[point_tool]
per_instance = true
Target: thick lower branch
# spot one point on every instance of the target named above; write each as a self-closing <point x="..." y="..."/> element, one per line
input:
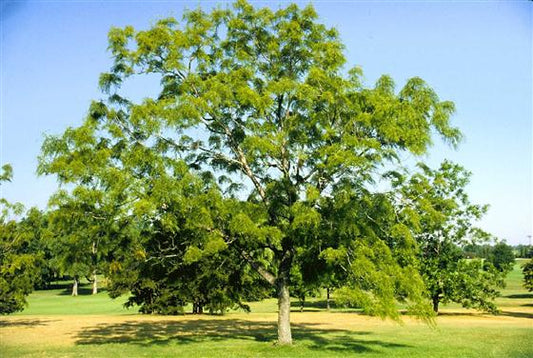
<point x="269" y="277"/>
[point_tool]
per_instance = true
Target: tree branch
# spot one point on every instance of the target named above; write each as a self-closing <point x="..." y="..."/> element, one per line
<point x="269" y="277"/>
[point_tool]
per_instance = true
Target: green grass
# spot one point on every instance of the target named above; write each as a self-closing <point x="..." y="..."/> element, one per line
<point x="59" y="301"/>
<point x="235" y="337"/>
<point x="58" y="325"/>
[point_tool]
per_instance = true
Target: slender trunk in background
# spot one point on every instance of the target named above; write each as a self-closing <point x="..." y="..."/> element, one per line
<point x="95" y="284"/>
<point x="75" y="286"/>
<point x="94" y="252"/>
<point x="436" y="301"/>
<point x="327" y="298"/>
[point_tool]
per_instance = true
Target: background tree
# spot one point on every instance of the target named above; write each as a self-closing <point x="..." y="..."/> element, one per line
<point x="18" y="268"/>
<point x="501" y="257"/>
<point x="85" y="226"/>
<point x="527" y="270"/>
<point x="35" y="227"/>
<point x="523" y="251"/>
<point x="263" y="97"/>
<point x="180" y="256"/>
<point x="445" y="221"/>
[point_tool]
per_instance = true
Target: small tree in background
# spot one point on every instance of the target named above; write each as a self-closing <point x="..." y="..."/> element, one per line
<point x="527" y="270"/>
<point x="445" y="221"/>
<point x="501" y="257"/>
<point x="84" y="228"/>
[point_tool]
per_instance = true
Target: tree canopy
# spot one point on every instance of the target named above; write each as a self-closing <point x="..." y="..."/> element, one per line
<point x="285" y="140"/>
<point x="18" y="268"/>
<point x="444" y="223"/>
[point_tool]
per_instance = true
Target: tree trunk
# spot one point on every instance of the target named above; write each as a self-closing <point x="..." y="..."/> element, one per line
<point x="197" y="308"/>
<point x="436" y="301"/>
<point x="95" y="285"/>
<point x="95" y="260"/>
<point x="284" y="313"/>
<point x="327" y="298"/>
<point x="75" y="286"/>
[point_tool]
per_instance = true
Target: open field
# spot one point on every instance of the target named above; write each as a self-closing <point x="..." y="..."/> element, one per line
<point x="57" y="325"/>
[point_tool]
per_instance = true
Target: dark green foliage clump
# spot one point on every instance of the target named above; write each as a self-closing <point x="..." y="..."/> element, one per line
<point x="527" y="270"/>
<point x="501" y="257"/>
<point x="19" y="267"/>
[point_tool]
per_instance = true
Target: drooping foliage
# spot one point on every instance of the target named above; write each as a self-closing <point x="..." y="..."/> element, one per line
<point x="260" y="103"/>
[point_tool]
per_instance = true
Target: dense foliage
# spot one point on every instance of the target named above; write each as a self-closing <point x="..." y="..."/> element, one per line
<point x="19" y="268"/>
<point x="501" y="257"/>
<point x="259" y="155"/>
<point x="444" y="222"/>
<point x="527" y="270"/>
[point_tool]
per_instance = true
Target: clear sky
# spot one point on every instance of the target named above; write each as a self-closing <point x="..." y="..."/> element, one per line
<point x="477" y="54"/>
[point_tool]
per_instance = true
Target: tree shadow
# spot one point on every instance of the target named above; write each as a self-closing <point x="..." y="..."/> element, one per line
<point x="315" y="305"/>
<point x="521" y="295"/>
<point x="83" y="290"/>
<point x="214" y="330"/>
<point x="26" y="322"/>
<point x="517" y="314"/>
<point x="462" y="314"/>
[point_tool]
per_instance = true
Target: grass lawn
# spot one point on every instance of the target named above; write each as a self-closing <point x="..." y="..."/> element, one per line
<point x="58" y="325"/>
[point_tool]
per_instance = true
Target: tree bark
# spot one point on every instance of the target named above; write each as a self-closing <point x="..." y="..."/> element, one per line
<point x="282" y="286"/>
<point x="436" y="301"/>
<point x="75" y="286"/>
<point x="94" y="257"/>
<point x="327" y="298"/>
<point x="95" y="284"/>
<point x="197" y="308"/>
<point x="284" y="313"/>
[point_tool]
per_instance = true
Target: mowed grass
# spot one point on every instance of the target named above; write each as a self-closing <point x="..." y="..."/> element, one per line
<point x="58" y="325"/>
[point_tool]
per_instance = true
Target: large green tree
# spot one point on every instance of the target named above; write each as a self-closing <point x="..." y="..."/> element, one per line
<point x="263" y="102"/>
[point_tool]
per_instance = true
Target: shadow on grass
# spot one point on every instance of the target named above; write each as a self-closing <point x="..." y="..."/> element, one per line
<point x="480" y="314"/>
<point x="214" y="330"/>
<point x="26" y="322"/>
<point x="321" y="306"/>
<point x="521" y="295"/>
<point x="517" y="314"/>
<point x="83" y="290"/>
<point x="462" y="314"/>
<point x="317" y="305"/>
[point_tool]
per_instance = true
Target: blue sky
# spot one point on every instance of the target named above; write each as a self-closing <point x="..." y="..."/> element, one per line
<point x="477" y="54"/>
